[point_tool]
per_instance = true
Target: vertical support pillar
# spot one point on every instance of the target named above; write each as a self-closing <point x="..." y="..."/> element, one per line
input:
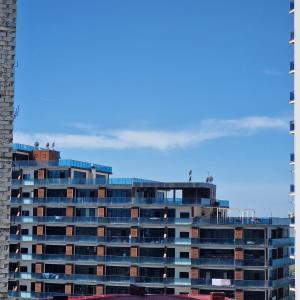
<point x="7" y="56"/>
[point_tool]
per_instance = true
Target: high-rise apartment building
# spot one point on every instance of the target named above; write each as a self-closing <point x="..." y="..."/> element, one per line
<point x="76" y="231"/>
<point x="294" y="95"/>
<point x="7" y="64"/>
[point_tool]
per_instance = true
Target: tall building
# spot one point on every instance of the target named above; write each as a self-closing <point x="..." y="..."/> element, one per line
<point x="7" y="64"/>
<point x="76" y="231"/>
<point x="294" y="95"/>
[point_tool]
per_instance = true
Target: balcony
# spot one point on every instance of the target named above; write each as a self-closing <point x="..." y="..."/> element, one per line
<point x="58" y="181"/>
<point x="223" y="241"/>
<point x="100" y="279"/>
<point x="292" y="98"/>
<point x="292" y="67"/>
<point x="120" y="200"/>
<point x="97" y="239"/>
<point x="282" y="242"/>
<point x="292" y="127"/>
<point x="120" y="260"/>
<point x="292" y="7"/>
<point x="264" y="284"/>
<point x="64" y="163"/>
<point x="292" y="159"/>
<point x="285" y="261"/>
<point x="292" y="38"/>
<point x="241" y="221"/>
<point x="228" y="262"/>
<point x="99" y="220"/>
<point x="292" y="189"/>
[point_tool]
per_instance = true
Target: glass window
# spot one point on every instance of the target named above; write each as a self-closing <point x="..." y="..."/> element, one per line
<point x="184" y="235"/>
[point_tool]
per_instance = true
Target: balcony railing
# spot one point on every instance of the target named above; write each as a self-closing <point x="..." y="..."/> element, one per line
<point x="228" y="241"/>
<point x="151" y="280"/>
<point x="120" y="200"/>
<point x="292" y="6"/>
<point x="240" y="283"/>
<point x="292" y="97"/>
<point x="282" y="261"/>
<point x="99" y="220"/>
<point x="292" y="126"/>
<point x="59" y="181"/>
<point x="223" y="261"/>
<point x="98" y="239"/>
<point x="128" y="260"/>
<point x="69" y="163"/>
<point x="153" y="221"/>
<point x="292" y="67"/>
<point x="241" y="221"/>
<point x="292" y="158"/>
<point x="100" y="279"/>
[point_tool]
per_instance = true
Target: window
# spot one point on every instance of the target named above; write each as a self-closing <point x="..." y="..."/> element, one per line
<point x="24" y="250"/>
<point x="184" y="255"/>
<point x="23" y="288"/>
<point x="184" y="275"/>
<point x="184" y="215"/>
<point x="78" y="174"/>
<point x="23" y="269"/>
<point x="25" y="231"/>
<point x="25" y="213"/>
<point x="184" y="235"/>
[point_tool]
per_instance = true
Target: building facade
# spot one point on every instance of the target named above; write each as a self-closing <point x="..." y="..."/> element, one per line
<point x="7" y="64"/>
<point x="295" y="188"/>
<point x="76" y="231"/>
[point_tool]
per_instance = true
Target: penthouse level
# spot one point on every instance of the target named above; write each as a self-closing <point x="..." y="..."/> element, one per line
<point x="77" y="231"/>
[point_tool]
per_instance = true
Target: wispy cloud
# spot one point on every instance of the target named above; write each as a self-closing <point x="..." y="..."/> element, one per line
<point x="270" y="72"/>
<point x="156" y="139"/>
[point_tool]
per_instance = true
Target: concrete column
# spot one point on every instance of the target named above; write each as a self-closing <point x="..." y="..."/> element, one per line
<point x="7" y="64"/>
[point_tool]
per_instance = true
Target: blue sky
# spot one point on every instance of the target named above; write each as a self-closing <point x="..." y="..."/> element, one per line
<point x="155" y="88"/>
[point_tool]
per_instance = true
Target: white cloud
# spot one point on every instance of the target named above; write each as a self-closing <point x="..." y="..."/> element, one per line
<point x="156" y="139"/>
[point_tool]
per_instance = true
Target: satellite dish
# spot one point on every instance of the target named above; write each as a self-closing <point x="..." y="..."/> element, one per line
<point x="36" y="145"/>
<point x="47" y="145"/>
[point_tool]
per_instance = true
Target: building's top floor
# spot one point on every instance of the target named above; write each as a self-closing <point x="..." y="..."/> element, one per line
<point x="26" y="156"/>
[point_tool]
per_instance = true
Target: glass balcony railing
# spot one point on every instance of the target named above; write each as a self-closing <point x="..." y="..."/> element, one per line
<point x="120" y="200"/>
<point x="222" y="241"/>
<point x="283" y="242"/>
<point x="240" y="283"/>
<point x="292" y="126"/>
<point x="59" y="181"/>
<point x="99" y="279"/>
<point x="99" y="220"/>
<point x="292" y="97"/>
<point x="69" y="163"/>
<point x="241" y="221"/>
<point x="153" y="221"/>
<point x="285" y="261"/>
<point x="98" y="239"/>
<point x="103" y="259"/>
<point x="228" y="262"/>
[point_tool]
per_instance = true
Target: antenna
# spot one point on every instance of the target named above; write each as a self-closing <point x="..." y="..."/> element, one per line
<point x="209" y="179"/>
<point x="47" y="145"/>
<point x="36" y="145"/>
<point x="190" y="175"/>
<point x="53" y="145"/>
